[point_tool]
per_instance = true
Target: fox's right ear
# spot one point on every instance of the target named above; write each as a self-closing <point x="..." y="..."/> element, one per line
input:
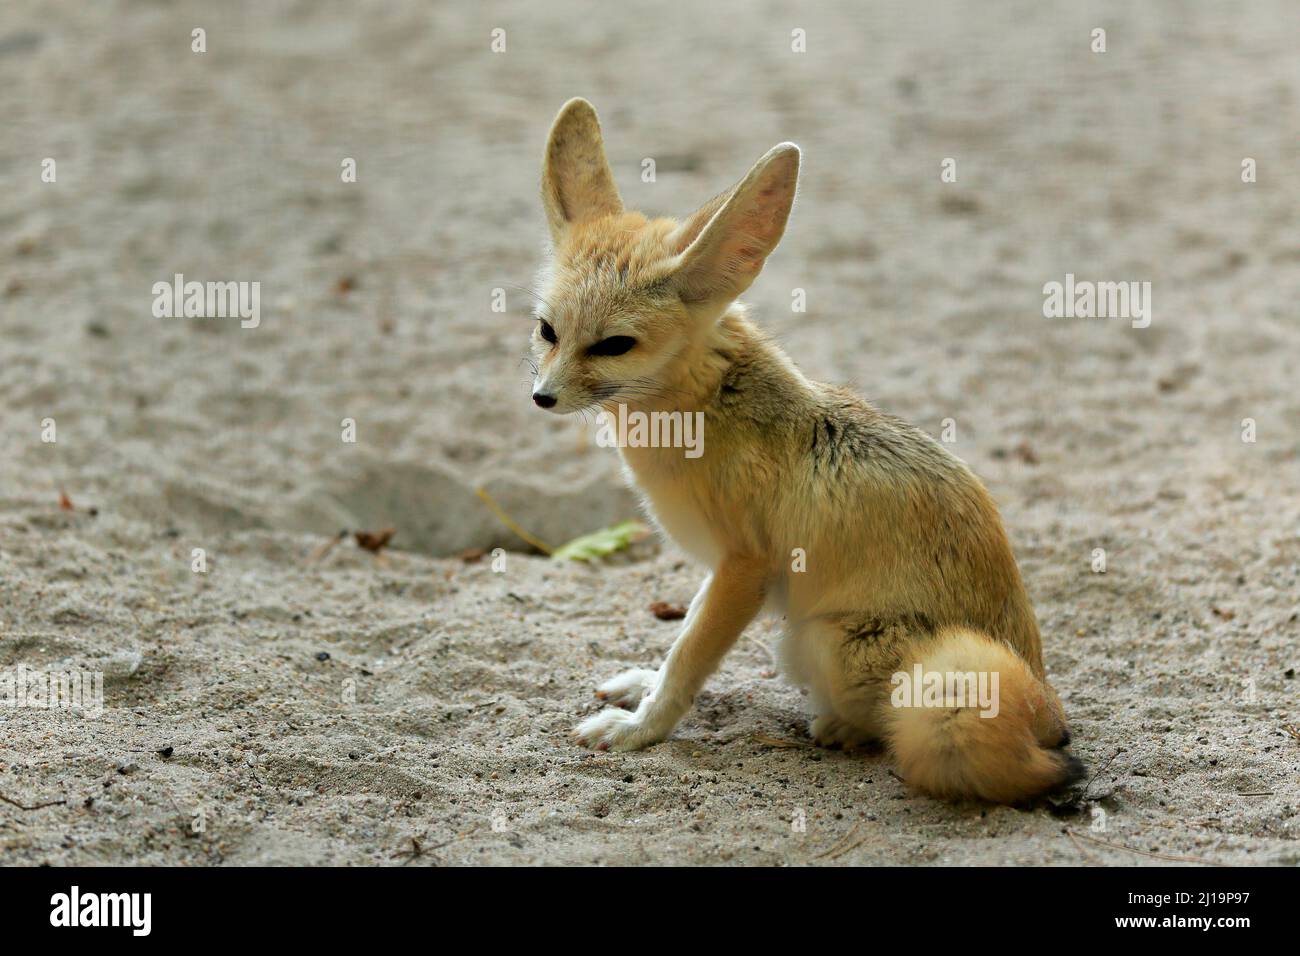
<point x="724" y="244"/>
<point x="577" y="184"/>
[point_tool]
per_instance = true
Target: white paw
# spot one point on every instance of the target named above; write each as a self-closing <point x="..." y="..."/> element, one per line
<point x="627" y="689"/>
<point x="614" y="729"/>
<point x="830" y="731"/>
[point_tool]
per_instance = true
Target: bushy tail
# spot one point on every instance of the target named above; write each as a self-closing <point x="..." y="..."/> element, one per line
<point x="953" y="752"/>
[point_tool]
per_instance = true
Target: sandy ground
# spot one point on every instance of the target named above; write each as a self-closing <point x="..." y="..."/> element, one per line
<point x="414" y="709"/>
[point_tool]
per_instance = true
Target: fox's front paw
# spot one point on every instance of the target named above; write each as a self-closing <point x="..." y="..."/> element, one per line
<point x="627" y="689"/>
<point x="614" y="729"/>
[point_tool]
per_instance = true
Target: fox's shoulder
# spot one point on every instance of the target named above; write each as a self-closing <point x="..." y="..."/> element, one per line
<point x="763" y="399"/>
<point x="849" y="429"/>
<point x="830" y="428"/>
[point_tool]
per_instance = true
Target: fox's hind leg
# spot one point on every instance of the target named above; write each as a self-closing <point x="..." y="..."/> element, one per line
<point x="846" y="663"/>
<point x="827" y="729"/>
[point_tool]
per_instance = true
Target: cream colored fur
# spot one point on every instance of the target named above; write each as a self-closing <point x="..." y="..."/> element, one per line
<point x="880" y="548"/>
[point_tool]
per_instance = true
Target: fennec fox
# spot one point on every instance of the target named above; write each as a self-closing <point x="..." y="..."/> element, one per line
<point x="883" y="552"/>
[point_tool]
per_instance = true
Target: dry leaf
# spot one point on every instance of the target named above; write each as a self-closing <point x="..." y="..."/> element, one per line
<point x="667" y="612"/>
<point x="374" y="541"/>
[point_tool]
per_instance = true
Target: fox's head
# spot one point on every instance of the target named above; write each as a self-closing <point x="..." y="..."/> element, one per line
<point x="626" y="299"/>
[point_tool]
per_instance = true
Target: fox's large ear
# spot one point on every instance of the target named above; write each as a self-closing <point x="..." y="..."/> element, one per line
<point x="723" y="245"/>
<point x="576" y="182"/>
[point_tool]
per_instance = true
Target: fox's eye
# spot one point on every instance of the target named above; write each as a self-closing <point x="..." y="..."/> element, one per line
<point x="548" y="333"/>
<point x="614" y="345"/>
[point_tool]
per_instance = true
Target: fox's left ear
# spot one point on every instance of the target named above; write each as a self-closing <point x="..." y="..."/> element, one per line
<point x="577" y="184"/>
<point x="724" y="244"/>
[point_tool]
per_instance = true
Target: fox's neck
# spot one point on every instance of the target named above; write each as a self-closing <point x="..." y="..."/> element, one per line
<point x="706" y="363"/>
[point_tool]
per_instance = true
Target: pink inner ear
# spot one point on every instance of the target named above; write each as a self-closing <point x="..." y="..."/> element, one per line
<point x="744" y="237"/>
<point x="756" y="232"/>
<point x="762" y="221"/>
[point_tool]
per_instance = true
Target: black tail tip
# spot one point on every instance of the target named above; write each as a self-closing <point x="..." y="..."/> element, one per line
<point x="1072" y="770"/>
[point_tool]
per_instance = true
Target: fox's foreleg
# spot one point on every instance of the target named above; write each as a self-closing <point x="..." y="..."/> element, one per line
<point x="730" y="598"/>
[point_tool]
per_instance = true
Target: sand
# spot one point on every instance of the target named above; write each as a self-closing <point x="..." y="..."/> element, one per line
<point x="414" y="708"/>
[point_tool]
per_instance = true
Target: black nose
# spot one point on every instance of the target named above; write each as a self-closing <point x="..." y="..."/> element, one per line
<point x="543" y="401"/>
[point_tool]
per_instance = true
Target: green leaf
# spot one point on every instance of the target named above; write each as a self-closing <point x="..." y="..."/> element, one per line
<point x="589" y="547"/>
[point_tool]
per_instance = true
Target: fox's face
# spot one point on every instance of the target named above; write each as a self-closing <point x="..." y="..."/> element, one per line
<point x="606" y="334"/>
<point x="624" y="298"/>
